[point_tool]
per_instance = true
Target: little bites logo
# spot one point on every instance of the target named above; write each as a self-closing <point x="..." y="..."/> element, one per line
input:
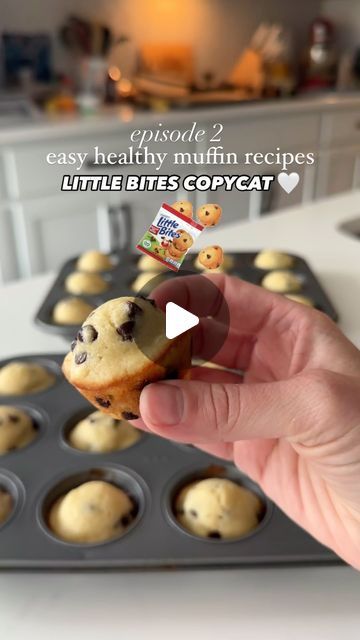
<point x="165" y="226"/>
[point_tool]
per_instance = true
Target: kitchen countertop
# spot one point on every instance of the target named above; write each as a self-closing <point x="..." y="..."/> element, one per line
<point x="124" y="117"/>
<point x="296" y="603"/>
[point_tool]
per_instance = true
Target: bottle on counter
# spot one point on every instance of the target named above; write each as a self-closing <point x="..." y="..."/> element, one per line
<point x="319" y="69"/>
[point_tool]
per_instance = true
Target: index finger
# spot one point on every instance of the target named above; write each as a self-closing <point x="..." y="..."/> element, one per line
<point x="228" y="299"/>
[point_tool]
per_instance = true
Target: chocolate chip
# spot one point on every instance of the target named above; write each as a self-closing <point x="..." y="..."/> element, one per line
<point x="80" y="357"/>
<point x="125" y="521"/>
<point x="133" y="309"/>
<point x="129" y="415"/>
<point x="214" y="534"/>
<point x="182" y="210"/>
<point x="207" y="213"/>
<point x="103" y="403"/>
<point x="193" y="513"/>
<point x="13" y="418"/>
<point x="208" y="256"/>
<point x="126" y="330"/>
<point x="172" y="374"/>
<point x="87" y="334"/>
<point x="73" y="345"/>
<point x="92" y="507"/>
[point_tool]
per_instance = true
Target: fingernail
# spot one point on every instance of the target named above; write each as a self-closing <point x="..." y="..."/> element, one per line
<point x="164" y="404"/>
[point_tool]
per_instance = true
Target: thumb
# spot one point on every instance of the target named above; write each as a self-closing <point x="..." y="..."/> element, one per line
<point x="194" y="411"/>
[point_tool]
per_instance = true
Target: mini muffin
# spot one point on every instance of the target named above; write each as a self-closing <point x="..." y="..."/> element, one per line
<point x="16" y="429"/>
<point x="148" y="263"/>
<point x="120" y="348"/>
<point x="184" y="207"/>
<point x="217" y="508"/>
<point x="6" y="505"/>
<point x="282" y="282"/>
<point x="94" y="261"/>
<point x="226" y="266"/>
<point x="101" y="434"/>
<point x="71" y="311"/>
<point x="211" y="257"/>
<point x="269" y="259"/>
<point x="144" y="279"/>
<point x="95" y="511"/>
<point x="183" y="240"/>
<point x="296" y="297"/>
<point x="80" y="282"/>
<point x="209" y="214"/>
<point x="21" y="378"/>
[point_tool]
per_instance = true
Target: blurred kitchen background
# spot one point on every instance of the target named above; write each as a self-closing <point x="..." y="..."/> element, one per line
<point x="83" y="73"/>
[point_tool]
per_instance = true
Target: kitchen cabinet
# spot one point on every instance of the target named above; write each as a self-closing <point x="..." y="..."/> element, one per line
<point x="338" y="171"/>
<point x="53" y="229"/>
<point x="9" y="269"/>
<point x="40" y="226"/>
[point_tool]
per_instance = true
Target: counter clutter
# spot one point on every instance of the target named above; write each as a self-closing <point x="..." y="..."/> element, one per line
<point x="212" y="601"/>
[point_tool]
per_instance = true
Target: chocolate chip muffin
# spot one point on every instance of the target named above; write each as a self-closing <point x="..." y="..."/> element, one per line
<point x="227" y="265"/>
<point x="270" y="259"/>
<point x="95" y="511"/>
<point x="148" y="263"/>
<point x="282" y="282"/>
<point x="21" y="378"/>
<point x="94" y="261"/>
<point x="6" y="505"/>
<point x="100" y="433"/>
<point x="83" y="283"/>
<point x="71" y="311"/>
<point x="16" y="429"/>
<point x="217" y="508"/>
<point x="143" y="281"/>
<point x="120" y="348"/>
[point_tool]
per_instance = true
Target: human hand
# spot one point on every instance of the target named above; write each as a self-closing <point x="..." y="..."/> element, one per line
<point x="293" y="425"/>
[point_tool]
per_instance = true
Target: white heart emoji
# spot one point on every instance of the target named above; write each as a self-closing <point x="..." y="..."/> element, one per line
<point x="288" y="181"/>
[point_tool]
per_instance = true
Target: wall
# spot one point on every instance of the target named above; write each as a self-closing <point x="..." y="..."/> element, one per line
<point x="217" y="29"/>
<point x="346" y="14"/>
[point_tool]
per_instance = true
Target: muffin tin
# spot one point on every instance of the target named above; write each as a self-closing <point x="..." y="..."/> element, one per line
<point x="125" y="271"/>
<point x="151" y="471"/>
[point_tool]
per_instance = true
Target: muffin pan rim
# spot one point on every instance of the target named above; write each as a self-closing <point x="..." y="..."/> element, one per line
<point x="48" y="363"/>
<point x="41" y="425"/>
<point x="66" y="429"/>
<point x="142" y="505"/>
<point x="17" y="486"/>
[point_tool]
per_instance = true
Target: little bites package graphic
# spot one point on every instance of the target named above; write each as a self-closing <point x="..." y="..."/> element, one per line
<point x="170" y="237"/>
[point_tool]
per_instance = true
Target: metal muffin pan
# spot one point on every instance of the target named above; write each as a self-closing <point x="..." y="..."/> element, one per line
<point x="151" y="471"/>
<point x="125" y="271"/>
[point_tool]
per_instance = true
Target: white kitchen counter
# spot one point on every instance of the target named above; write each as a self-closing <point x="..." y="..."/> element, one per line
<point x="121" y="117"/>
<point x="297" y="603"/>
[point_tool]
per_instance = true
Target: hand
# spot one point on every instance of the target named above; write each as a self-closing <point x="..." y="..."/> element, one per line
<point x="293" y="425"/>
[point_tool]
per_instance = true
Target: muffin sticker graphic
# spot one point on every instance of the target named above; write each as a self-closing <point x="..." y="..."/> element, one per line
<point x="170" y="236"/>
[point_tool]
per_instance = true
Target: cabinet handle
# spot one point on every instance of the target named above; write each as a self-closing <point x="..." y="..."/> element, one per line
<point x="120" y="221"/>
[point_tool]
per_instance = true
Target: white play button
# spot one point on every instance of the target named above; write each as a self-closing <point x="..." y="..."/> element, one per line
<point x="178" y="320"/>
